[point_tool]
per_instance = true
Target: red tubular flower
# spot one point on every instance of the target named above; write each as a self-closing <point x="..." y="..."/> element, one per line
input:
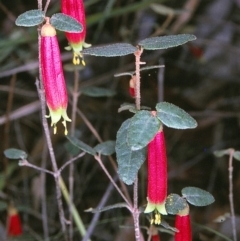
<point x="52" y="76"/>
<point x="183" y="224"/>
<point x="157" y="176"/>
<point x="14" y="225"/>
<point x="75" y="9"/>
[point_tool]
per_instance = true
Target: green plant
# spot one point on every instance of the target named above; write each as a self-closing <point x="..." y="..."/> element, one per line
<point x="138" y="136"/>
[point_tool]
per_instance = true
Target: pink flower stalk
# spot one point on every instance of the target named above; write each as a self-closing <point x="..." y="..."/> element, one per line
<point x="157" y="176"/>
<point x="183" y="224"/>
<point x="14" y="225"/>
<point x="153" y="232"/>
<point x="52" y="76"/>
<point x="75" y="9"/>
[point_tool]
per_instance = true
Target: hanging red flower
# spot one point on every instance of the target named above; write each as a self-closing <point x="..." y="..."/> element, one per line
<point x="157" y="177"/>
<point x="75" y="9"/>
<point x="52" y="76"/>
<point x="183" y="224"/>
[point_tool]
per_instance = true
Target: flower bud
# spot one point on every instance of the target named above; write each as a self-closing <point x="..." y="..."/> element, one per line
<point x="132" y="86"/>
<point x="14" y="225"/>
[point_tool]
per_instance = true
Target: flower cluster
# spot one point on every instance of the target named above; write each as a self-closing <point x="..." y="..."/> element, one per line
<point x="52" y="76"/>
<point x="157" y="177"/>
<point x="75" y="9"/>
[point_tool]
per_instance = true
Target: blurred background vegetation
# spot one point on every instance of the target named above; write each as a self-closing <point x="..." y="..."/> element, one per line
<point x="201" y="77"/>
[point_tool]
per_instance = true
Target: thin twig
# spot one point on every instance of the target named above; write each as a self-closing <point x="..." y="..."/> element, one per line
<point x="40" y="4"/>
<point x="71" y="161"/>
<point x="138" y="62"/>
<point x="27" y="164"/>
<point x="97" y="215"/>
<point x="75" y="95"/>
<point x="46" y="6"/>
<point x="230" y="169"/>
<point x="43" y="196"/>
<point x="135" y="211"/>
<point x="111" y="179"/>
<point x="53" y="159"/>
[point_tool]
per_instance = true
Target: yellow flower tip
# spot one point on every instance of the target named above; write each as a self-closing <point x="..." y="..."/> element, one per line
<point x="157" y="219"/>
<point x="54" y="129"/>
<point x="78" y="58"/>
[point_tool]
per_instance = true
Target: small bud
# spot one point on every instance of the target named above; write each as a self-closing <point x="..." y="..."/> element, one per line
<point x="14" y="225"/>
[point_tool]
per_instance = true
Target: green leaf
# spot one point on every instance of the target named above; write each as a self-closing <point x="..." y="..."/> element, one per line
<point x="236" y="155"/>
<point x="167" y="226"/>
<point x="175" y="204"/>
<point x="111" y="50"/>
<point x="98" y="92"/>
<point x="174" y="117"/>
<point x="106" y="148"/>
<point x="72" y="149"/>
<point x="81" y="145"/>
<point x="66" y="23"/>
<point x="197" y="196"/>
<point x="142" y="130"/>
<point x="13" y="153"/>
<point x="98" y="210"/>
<point x="30" y="18"/>
<point x="221" y="153"/>
<point x="129" y="161"/>
<point x="166" y="42"/>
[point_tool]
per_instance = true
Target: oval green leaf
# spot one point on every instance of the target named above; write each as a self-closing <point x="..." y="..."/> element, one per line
<point x="66" y="23"/>
<point x="221" y="153"/>
<point x="142" y="130"/>
<point x="197" y="197"/>
<point x="111" y="50"/>
<point x="13" y="153"/>
<point x="106" y="148"/>
<point x="175" y="204"/>
<point x="174" y="117"/>
<point x="97" y="92"/>
<point x="236" y="155"/>
<point x="166" y="42"/>
<point x="72" y="149"/>
<point x="129" y="161"/>
<point x="30" y="18"/>
<point x="81" y="145"/>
